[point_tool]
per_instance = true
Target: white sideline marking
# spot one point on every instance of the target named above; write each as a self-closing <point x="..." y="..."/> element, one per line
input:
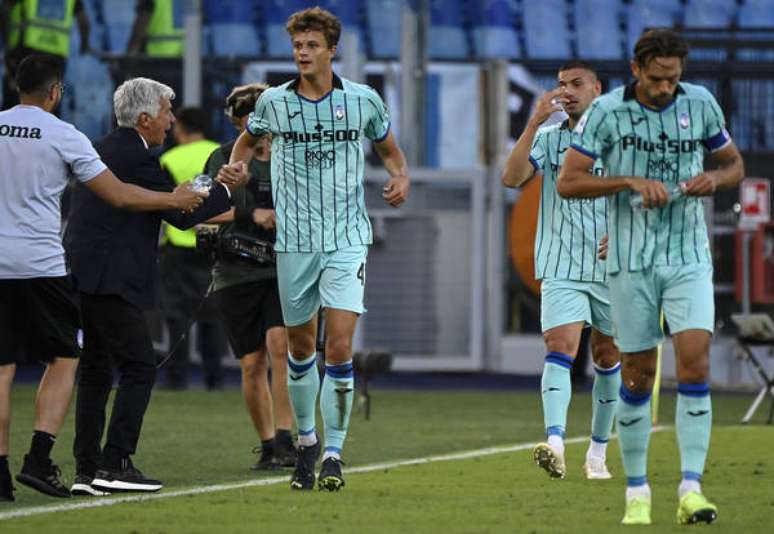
<point x="110" y="501"/>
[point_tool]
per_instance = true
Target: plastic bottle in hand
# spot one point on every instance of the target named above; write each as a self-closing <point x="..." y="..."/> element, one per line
<point x="674" y="192"/>
<point x="202" y="183"/>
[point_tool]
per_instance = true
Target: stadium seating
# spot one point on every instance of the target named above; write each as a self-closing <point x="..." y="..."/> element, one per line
<point x="231" y="27"/>
<point x="643" y="14"/>
<point x="383" y="27"/>
<point x="88" y="101"/>
<point x="494" y="30"/>
<point x="758" y="14"/>
<point x="709" y="13"/>
<point x="276" y="13"/>
<point x="119" y="17"/>
<point x="447" y="39"/>
<point x="598" y="29"/>
<point x="546" y="32"/>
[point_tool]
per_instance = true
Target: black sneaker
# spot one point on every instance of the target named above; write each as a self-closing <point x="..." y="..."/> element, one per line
<point x="123" y="479"/>
<point x="306" y="457"/>
<point x="42" y="475"/>
<point x="286" y="456"/>
<point x="82" y="486"/>
<point x="6" y="485"/>
<point x="267" y="460"/>
<point x="330" y="475"/>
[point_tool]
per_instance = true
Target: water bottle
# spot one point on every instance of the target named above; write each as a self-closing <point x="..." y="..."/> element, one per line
<point x="202" y="183"/>
<point x="674" y="192"/>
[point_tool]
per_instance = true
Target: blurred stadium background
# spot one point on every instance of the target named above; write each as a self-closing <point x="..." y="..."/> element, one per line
<point x="450" y="281"/>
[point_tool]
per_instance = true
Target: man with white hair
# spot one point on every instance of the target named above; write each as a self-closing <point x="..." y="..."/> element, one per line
<point x="38" y="314"/>
<point x="113" y="258"/>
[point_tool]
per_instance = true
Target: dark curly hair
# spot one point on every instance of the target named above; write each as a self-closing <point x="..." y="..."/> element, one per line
<point x="660" y="42"/>
<point x="316" y="19"/>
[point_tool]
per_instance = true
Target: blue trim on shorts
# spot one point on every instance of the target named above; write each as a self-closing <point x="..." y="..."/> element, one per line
<point x="635" y="399"/>
<point x="301" y="368"/>
<point x="694" y="390"/>
<point x="344" y="370"/>
<point x="633" y="482"/>
<point x="560" y="359"/>
<point x="692" y="475"/>
<point x="555" y="431"/>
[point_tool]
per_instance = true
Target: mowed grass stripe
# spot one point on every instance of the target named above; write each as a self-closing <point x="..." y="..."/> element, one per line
<point x="111" y="501"/>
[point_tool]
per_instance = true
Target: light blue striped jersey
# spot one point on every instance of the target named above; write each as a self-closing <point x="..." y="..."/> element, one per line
<point x="569" y="230"/>
<point x="317" y="162"/>
<point x="668" y="145"/>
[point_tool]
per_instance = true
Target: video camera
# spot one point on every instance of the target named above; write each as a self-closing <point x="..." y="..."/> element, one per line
<point x="234" y="245"/>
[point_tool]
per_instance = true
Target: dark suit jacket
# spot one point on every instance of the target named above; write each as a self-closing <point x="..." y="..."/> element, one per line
<point x="112" y="251"/>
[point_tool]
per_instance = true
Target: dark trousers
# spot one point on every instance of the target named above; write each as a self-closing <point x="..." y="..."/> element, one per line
<point x="115" y="334"/>
<point x="185" y="279"/>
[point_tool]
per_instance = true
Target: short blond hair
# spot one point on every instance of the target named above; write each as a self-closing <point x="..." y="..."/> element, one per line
<point x="316" y="19"/>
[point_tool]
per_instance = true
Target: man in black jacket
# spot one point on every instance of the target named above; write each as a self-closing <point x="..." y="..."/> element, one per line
<point x="112" y="257"/>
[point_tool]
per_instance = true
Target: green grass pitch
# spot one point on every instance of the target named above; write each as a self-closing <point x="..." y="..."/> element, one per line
<point x="196" y="438"/>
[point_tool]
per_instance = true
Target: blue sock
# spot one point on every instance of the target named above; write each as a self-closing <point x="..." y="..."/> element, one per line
<point x="693" y="423"/>
<point x="556" y="391"/>
<point x="604" y="396"/>
<point x="633" y="423"/>
<point x="338" y="390"/>
<point x="303" y="386"/>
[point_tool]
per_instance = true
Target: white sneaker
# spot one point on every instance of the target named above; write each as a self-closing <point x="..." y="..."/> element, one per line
<point x="549" y="459"/>
<point x="596" y="469"/>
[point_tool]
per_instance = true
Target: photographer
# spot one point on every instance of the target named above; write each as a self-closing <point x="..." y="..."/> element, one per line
<point x="247" y="295"/>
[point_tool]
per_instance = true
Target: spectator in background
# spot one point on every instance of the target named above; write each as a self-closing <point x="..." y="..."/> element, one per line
<point x="158" y="29"/>
<point x="31" y="27"/>
<point x="247" y="294"/>
<point x="185" y="271"/>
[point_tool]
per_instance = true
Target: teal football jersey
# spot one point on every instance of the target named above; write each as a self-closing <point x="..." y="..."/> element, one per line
<point x="569" y="230"/>
<point x="317" y="162"/>
<point x="668" y="145"/>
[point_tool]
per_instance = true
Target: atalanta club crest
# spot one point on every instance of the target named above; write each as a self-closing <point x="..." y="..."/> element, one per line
<point x="684" y="120"/>
<point x="339" y="113"/>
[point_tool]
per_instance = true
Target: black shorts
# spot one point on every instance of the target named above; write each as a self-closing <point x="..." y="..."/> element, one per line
<point x="39" y="320"/>
<point x="249" y="310"/>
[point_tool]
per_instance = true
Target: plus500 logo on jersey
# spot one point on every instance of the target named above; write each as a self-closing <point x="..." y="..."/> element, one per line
<point x="672" y="146"/>
<point x="323" y="136"/>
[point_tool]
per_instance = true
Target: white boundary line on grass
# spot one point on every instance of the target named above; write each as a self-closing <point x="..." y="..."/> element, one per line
<point x="110" y="501"/>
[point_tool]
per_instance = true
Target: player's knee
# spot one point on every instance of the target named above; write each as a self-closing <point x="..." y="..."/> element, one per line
<point x="606" y="355"/>
<point x="638" y="374"/>
<point x="338" y="349"/>
<point x="254" y="364"/>
<point x="556" y="342"/>
<point x="693" y="372"/>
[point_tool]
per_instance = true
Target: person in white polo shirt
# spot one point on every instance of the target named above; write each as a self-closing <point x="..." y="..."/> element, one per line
<point x="38" y="312"/>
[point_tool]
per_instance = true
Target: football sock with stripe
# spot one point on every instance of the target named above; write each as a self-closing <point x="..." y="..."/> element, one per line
<point x="604" y="396"/>
<point x="338" y="391"/>
<point x="633" y="423"/>
<point x="556" y="390"/>
<point x="303" y="386"/>
<point x="693" y="423"/>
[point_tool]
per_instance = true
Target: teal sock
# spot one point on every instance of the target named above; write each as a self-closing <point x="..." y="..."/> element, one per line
<point x="633" y="423"/>
<point x="693" y="422"/>
<point x="338" y="390"/>
<point x="303" y="386"/>
<point x="556" y="392"/>
<point x="604" y="396"/>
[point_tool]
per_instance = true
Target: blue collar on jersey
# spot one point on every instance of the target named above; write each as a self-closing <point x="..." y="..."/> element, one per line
<point x="630" y="93"/>
<point x="293" y="86"/>
<point x="565" y="124"/>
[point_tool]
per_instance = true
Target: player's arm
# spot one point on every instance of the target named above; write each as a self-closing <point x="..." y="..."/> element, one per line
<point x="131" y="197"/>
<point x="519" y="167"/>
<point x="575" y="181"/>
<point x="396" y="190"/>
<point x="729" y="173"/>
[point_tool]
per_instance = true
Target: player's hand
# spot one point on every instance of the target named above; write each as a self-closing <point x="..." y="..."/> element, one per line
<point x="654" y="194"/>
<point x="395" y="192"/>
<point x="602" y="250"/>
<point x="700" y="186"/>
<point x="186" y="199"/>
<point x="548" y="104"/>
<point x="233" y="175"/>
<point x="264" y="218"/>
